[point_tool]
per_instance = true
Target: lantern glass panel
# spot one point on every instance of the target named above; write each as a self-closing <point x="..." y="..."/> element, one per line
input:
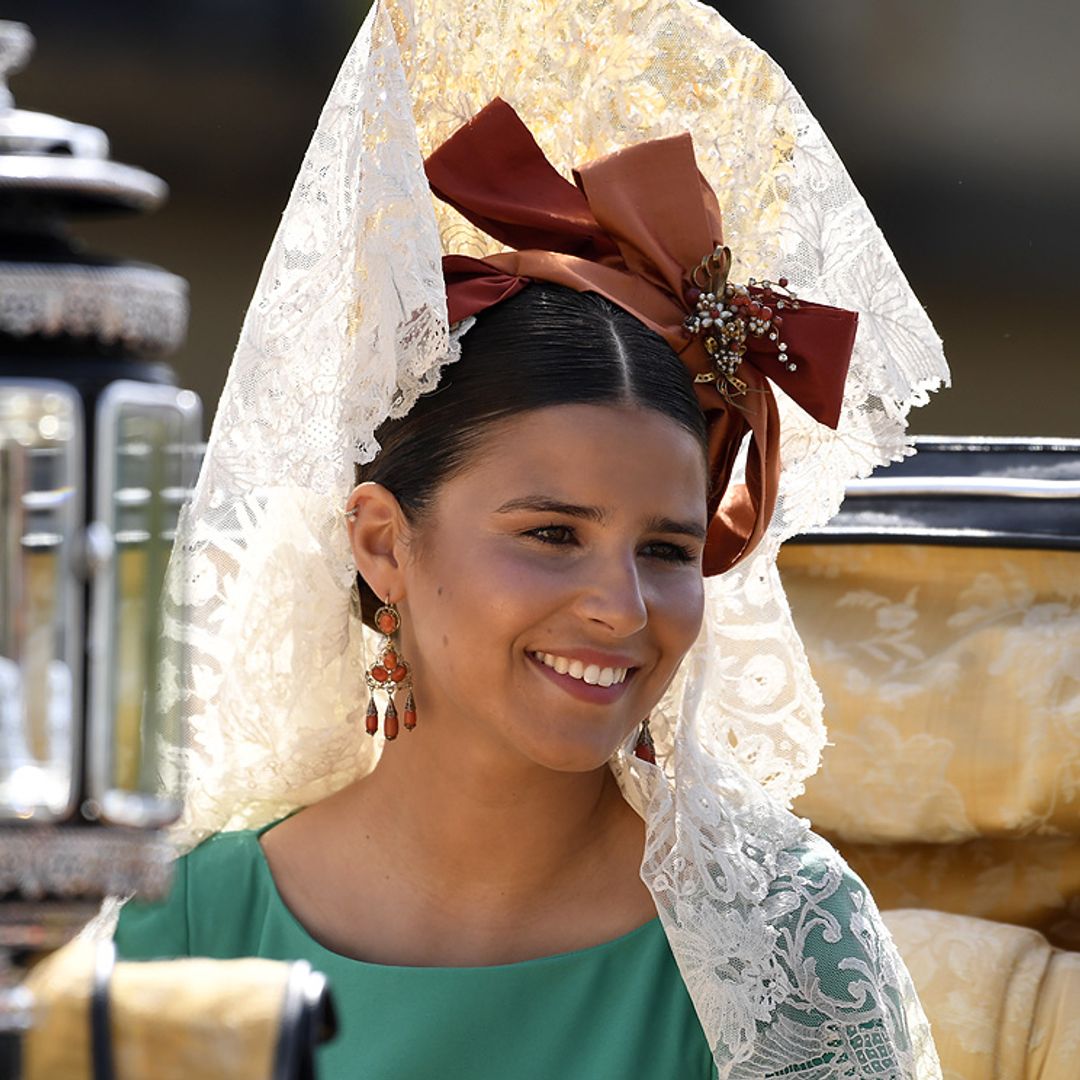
<point x="146" y="440"/>
<point x="41" y="466"/>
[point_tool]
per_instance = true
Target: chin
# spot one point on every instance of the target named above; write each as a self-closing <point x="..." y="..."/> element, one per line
<point x="572" y="755"/>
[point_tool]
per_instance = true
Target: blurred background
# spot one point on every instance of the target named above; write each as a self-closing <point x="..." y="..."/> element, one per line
<point x="959" y="123"/>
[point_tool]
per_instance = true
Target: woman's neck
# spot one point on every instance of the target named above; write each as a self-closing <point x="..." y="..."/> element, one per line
<point x="478" y="818"/>
<point x="470" y="859"/>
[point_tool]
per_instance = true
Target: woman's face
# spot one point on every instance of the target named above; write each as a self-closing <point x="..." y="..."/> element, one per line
<point x="556" y="584"/>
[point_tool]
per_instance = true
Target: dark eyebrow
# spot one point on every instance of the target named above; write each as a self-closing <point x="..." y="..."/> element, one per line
<point x="544" y="505"/>
<point x="670" y="525"/>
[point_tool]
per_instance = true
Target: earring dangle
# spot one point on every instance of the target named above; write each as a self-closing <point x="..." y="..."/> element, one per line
<point x="644" y="747"/>
<point x="390" y="673"/>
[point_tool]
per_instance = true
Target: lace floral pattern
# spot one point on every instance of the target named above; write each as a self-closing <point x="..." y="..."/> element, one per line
<point x="348" y="325"/>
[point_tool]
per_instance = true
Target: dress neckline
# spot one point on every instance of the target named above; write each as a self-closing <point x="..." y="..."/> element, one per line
<point x="645" y="930"/>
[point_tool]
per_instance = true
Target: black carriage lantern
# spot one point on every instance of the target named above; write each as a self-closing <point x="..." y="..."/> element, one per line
<point x="98" y="451"/>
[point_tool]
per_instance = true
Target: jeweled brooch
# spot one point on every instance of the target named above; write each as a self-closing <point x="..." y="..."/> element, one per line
<point x="728" y="314"/>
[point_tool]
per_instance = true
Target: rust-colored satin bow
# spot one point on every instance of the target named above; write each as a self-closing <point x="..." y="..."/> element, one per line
<point x="633" y="229"/>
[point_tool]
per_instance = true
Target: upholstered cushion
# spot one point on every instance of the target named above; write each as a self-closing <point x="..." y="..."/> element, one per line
<point x="1032" y="881"/>
<point x="951" y="678"/>
<point x="1002" y="1004"/>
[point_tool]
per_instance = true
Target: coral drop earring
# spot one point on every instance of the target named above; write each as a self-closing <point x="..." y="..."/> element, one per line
<point x="389" y="673"/>
<point x="644" y="748"/>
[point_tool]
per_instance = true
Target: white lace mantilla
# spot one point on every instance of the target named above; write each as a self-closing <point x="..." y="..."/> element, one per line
<point x="782" y="950"/>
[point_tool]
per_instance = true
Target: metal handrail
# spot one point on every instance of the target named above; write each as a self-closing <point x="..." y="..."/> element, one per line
<point x="980" y="487"/>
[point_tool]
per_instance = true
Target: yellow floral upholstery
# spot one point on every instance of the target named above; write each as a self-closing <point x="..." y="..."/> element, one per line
<point x="951" y="679"/>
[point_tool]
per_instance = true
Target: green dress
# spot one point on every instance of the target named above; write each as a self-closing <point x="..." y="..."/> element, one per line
<point x="615" y="1010"/>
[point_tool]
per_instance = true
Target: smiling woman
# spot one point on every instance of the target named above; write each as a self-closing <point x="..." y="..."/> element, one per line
<point x="564" y="486"/>
<point x="562" y="463"/>
<point x="502" y="579"/>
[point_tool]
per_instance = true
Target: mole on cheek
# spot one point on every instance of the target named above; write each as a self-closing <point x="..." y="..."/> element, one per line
<point x="445" y="641"/>
<point x="438" y="591"/>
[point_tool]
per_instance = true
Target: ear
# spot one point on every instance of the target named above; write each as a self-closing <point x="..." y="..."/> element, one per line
<point x="378" y="537"/>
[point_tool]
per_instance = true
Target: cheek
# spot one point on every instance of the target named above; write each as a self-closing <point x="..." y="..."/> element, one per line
<point x="676" y="606"/>
<point x="477" y="597"/>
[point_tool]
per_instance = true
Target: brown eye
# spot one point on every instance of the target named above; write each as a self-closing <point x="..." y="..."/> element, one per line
<point x="668" y="552"/>
<point x="552" y="534"/>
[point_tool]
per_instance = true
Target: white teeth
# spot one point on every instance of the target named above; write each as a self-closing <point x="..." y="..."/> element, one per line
<point x="592" y="674"/>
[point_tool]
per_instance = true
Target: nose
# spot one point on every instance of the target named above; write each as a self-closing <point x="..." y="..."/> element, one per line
<point x="612" y="596"/>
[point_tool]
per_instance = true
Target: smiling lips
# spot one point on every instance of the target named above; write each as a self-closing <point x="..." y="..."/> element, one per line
<point x="592" y="674"/>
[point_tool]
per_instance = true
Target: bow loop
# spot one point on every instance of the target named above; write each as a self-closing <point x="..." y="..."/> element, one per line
<point x="630" y="194"/>
<point x="496" y="176"/>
